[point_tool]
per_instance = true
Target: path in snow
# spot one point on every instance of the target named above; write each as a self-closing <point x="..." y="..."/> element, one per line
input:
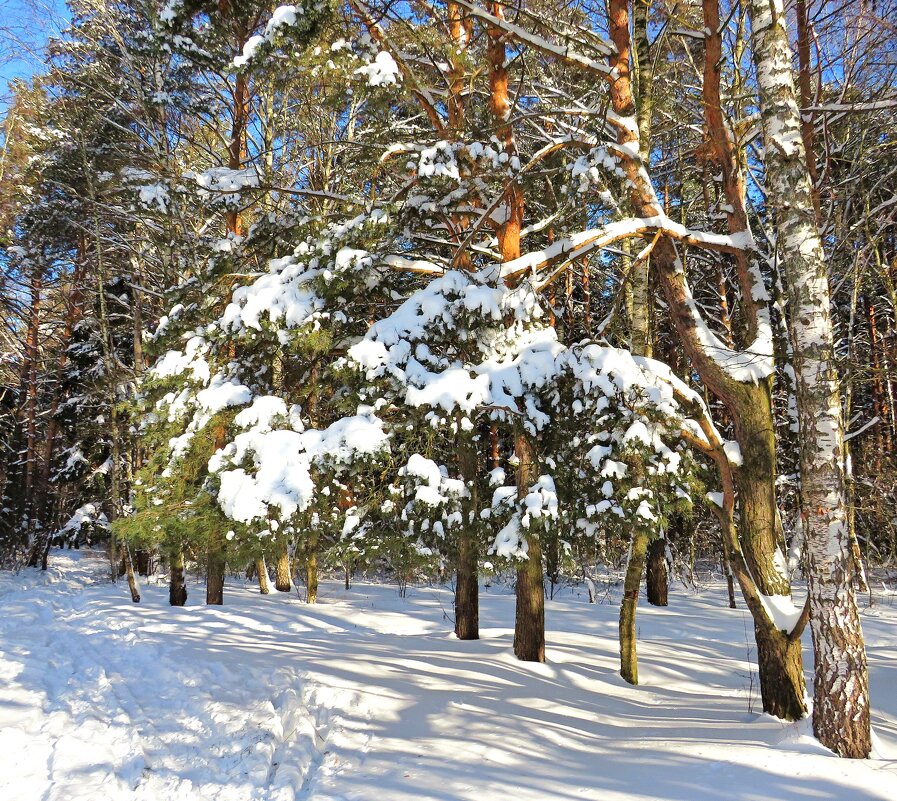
<point x="92" y="708"/>
<point x="368" y="696"/>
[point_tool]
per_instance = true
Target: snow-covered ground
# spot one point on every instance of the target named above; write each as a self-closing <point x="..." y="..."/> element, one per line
<point x="368" y="697"/>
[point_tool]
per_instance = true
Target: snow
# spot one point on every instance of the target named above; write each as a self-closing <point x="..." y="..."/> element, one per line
<point x="227" y="180"/>
<point x="222" y="394"/>
<point x="154" y="195"/>
<point x="540" y="501"/>
<point x="515" y="362"/>
<point x="263" y="412"/>
<point x="434" y="487"/>
<point x="106" y="709"/>
<point x="286" y="293"/>
<point x="170" y="10"/>
<point x="250" y="48"/>
<point x="382" y="71"/>
<point x="283" y="17"/>
<point x="360" y="434"/>
<point x="420" y="467"/>
<point x="751" y="365"/>
<point x="781" y="610"/>
<point x="733" y="453"/>
<point x="175" y="362"/>
<point x="86" y="515"/>
<point x="369" y="696"/>
<point x="281" y="461"/>
<point x="280" y="477"/>
<point x="74" y="458"/>
<point x="577" y="245"/>
<point x="538" y="43"/>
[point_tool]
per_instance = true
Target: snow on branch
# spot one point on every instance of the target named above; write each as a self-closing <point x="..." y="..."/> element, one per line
<point x="283" y="17"/>
<point x="378" y="34"/>
<point x="862" y="107"/>
<point x="582" y="243"/>
<point x="563" y="52"/>
<point x="268" y="470"/>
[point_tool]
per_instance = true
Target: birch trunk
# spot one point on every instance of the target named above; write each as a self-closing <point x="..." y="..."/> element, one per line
<point x="840" y="687"/>
<point x="640" y="341"/>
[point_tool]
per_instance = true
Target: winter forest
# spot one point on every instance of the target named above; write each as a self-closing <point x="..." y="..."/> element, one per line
<point x="448" y="399"/>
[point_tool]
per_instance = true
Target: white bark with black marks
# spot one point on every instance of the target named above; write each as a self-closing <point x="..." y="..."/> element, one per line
<point x="841" y="684"/>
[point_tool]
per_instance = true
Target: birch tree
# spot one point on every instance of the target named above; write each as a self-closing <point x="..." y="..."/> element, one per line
<point x="841" y="683"/>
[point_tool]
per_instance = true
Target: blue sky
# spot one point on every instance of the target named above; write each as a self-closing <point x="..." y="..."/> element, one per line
<point x="25" y="26"/>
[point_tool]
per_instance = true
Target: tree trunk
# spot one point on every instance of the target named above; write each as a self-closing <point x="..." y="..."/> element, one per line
<point x="261" y="570"/>
<point x="282" y="580"/>
<point x="804" y="80"/>
<point x="529" y="623"/>
<point x="553" y="564"/>
<point x="657" y="577"/>
<point x="755" y="478"/>
<point x="177" y="586"/>
<point x="508" y="233"/>
<point x="30" y="393"/>
<point x="747" y="403"/>
<point x="780" y="665"/>
<point x="74" y="309"/>
<point x="841" y="715"/>
<point x="858" y="571"/>
<point x="141" y="556"/>
<point x="142" y="560"/>
<point x="215" y="569"/>
<point x="115" y="551"/>
<point x="639" y="270"/>
<point x="132" y="578"/>
<point x="467" y="590"/>
<point x="467" y="602"/>
<point x="237" y="151"/>
<point x="631" y="584"/>
<point x="311" y="577"/>
<point x="730" y="580"/>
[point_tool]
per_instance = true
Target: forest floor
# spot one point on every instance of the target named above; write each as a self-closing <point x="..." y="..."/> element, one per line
<point x="368" y="696"/>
